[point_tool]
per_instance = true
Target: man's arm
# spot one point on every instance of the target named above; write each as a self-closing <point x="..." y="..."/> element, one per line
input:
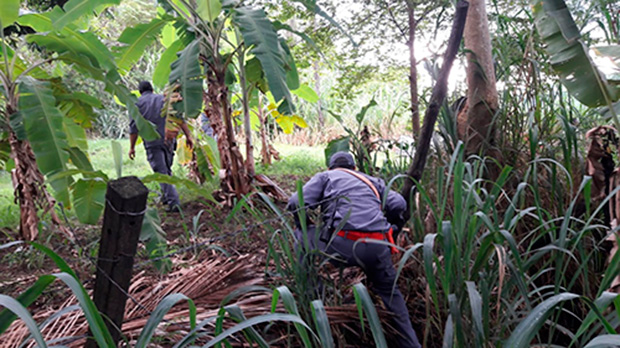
<point x="188" y="135"/>
<point x="133" y="138"/>
<point x="395" y="208"/>
<point x="313" y="194"/>
<point x="132" y="145"/>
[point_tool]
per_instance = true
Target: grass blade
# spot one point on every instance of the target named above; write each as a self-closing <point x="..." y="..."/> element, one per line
<point x="321" y="322"/>
<point x="265" y="318"/>
<point x="604" y="341"/>
<point x="291" y="306"/>
<point x="158" y="315"/>
<point x="529" y="327"/>
<point x="362" y="296"/>
<point x="14" y="306"/>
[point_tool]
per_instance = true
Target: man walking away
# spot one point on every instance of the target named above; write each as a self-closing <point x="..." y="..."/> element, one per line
<point x="341" y="192"/>
<point x="159" y="152"/>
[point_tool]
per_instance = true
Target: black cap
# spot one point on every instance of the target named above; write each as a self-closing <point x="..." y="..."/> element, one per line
<point x="341" y="159"/>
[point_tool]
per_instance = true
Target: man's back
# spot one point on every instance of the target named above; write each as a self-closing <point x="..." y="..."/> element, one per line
<point x="150" y="105"/>
<point x="346" y="197"/>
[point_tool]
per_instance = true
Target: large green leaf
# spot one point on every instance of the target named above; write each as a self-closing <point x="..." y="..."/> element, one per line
<point x="209" y="9"/>
<point x="163" y="69"/>
<point x="76" y="135"/>
<point x="136" y="40"/>
<point x="86" y="41"/>
<point x="336" y="145"/>
<point x="292" y="76"/>
<point x="186" y="72"/>
<point x="258" y="32"/>
<point x="89" y="199"/>
<point x="9" y="13"/>
<point x="67" y="45"/>
<point x="79" y="159"/>
<point x="362" y="114"/>
<point x="306" y="93"/>
<point x="40" y="22"/>
<point x="44" y="127"/>
<point x="569" y="55"/>
<point x="168" y="35"/>
<point x="75" y="9"/>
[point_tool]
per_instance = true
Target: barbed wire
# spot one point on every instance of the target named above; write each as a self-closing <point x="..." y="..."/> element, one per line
<point x="101" y="271"/>
<point x="235" y="233"/>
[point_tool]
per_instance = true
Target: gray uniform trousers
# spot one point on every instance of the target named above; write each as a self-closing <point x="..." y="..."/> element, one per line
<point x="160" y="158"/>
<point x="376" y="262"/>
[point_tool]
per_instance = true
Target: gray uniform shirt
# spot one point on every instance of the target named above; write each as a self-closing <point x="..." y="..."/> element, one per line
<point x="356" y="197"/>
<point x="150" y="105"/>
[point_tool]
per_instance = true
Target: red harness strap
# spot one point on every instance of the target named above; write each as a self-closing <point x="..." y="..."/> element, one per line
<point x="355" y="235"/>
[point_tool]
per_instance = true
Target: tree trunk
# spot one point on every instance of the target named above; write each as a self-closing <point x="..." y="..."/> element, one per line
<point x="234" y="178"/>
<point x="317" y="85"/>
<point x="414" y="173"/>
<point x="28" y="183"/>
<point x="249" y="148"/>
<point x="413" y="72"/>
<point x="476" y="124"/>
<point x="265" y="154"/>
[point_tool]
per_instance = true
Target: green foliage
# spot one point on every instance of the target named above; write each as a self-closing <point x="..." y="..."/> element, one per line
<point x="569" y="55"/>
<point x="89" y="199"/>
<point x="209" y="10"/>
<point x="117" y="153"/>
<point x="74" y="9"/>
<point x="10" y="11"/>
<point x="154" y="238"/>
<point x="43" y="124"/>
<point x="186" y="72"/>
<point x="336" y="145"/>
<point x="163" y="69"/>
<point x="363" y="301"/>
<point x="136" y="39"/>
<point x="258" y="32"/>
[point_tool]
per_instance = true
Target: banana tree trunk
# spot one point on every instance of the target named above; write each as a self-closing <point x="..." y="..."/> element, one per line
<point x="265" y="154"/>
<point x="28" y="183"/>
<point x="249" y="147"/>
<point x="482" y="100"/>
<point x="235" y="180"/>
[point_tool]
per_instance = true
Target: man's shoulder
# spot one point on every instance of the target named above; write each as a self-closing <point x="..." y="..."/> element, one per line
<point x="149" y="96"/>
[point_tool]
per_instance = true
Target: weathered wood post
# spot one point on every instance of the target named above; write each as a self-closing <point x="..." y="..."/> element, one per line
<point x="122" y="222"/>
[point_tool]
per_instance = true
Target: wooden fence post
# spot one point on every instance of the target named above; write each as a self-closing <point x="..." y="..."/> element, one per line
<point x="122" y="222"/>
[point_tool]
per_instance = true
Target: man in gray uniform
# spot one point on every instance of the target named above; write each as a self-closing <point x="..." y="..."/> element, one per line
<point x="160" y="152"/>
<point x="341" y="192"/>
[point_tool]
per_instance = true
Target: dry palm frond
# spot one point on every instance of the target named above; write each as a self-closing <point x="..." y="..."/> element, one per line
<point x="207" y="282"/>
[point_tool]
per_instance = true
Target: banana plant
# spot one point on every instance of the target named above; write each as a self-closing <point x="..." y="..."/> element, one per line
<point x="42" y="122"/>
<point x="230" y="46"/>
<point x="571" y="58"/>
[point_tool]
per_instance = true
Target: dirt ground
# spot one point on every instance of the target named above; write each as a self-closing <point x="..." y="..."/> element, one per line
<point x="236" y="232"/>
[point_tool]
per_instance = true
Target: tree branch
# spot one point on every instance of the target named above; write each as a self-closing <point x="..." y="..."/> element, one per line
<point x="437" y="98"/>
